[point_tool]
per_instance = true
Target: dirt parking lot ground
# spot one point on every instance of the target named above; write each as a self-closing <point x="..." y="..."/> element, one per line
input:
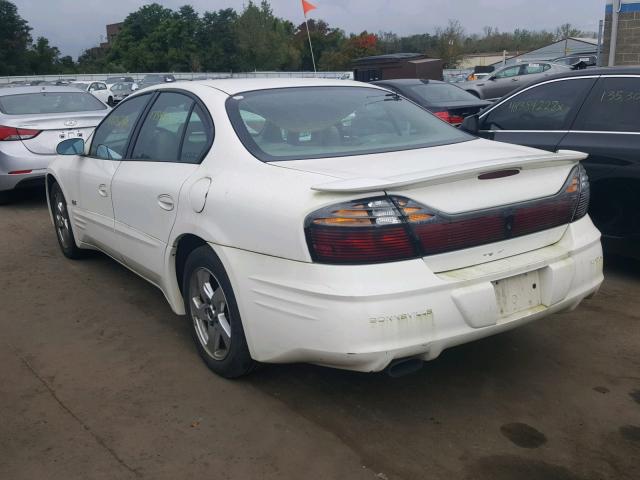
<point x="99" y="380"/>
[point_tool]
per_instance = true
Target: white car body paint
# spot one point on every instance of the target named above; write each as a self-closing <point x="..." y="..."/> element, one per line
<point x="294" y="310"/>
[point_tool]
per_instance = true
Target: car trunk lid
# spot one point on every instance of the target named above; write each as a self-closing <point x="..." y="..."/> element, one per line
<point x="457" y="180"/>
<point x="55" y="128"/>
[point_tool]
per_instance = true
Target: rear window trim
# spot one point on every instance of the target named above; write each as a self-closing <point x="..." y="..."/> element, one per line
<point x="252" y="147"/>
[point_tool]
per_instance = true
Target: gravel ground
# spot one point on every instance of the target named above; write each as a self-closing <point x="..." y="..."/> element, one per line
<point x="99" y="379"/>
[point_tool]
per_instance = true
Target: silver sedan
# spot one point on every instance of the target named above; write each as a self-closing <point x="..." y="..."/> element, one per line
<point x="33" y="120"/>
<point x="512" y="77"/>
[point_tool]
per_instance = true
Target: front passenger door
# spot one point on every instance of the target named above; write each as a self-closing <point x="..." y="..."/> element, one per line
<point x="170" y="145"/>
<point x="91" y="175"/>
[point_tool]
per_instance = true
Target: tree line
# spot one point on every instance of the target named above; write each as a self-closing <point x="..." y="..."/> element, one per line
<point x="156" y="38"/>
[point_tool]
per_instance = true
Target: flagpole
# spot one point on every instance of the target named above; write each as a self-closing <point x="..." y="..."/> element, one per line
<point x="313" y="59"/>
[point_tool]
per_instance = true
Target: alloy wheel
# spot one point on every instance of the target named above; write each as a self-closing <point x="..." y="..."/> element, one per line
<point x="210" y="313"/>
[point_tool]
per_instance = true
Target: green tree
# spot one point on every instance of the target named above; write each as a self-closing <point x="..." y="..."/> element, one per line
<point x="216" y="40"/>
<point x="450" y="46"/>
<point x="43" y="58"/>
<point x="264" y="40"/>
<point x="323" y="38"/>
<point x="14" y="40"/>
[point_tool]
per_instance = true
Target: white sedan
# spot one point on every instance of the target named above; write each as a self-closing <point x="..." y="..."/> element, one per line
<point x="324" y="221"/>
<point x="100" y="90"/>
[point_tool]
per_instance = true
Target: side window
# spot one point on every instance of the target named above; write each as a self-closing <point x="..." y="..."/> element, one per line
<point x="161" y="133"/>
<point x="550" y="106"/>
<point x="530" y="68"/>
<point x="508" y="72"/>
<point x="197" y="137"/>
<point x="101" y="86"/>
<point x="112" y="135"/>
<point x="93" y="86"/>
<point x="613" y="106"/>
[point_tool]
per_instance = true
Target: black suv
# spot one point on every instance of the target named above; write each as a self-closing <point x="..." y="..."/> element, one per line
<point x="596" y="111"/>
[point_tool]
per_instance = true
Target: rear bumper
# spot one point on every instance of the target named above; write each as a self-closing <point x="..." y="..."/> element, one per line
<point x="363" y="317"/>
<point x="14" y="156"/>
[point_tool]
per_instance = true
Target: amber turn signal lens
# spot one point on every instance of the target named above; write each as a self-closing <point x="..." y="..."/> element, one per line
<point x="573" y="186"/>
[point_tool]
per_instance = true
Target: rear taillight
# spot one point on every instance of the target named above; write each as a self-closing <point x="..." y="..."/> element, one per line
<point x="363" y="231"/>
<point x="392" y="228"/>
<point x="13" y="133"/>
<point x="449" y="118"/>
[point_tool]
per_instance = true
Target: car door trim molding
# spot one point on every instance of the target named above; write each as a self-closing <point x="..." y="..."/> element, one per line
<point x="604" y="132"/>
<point x="524" y="131"/>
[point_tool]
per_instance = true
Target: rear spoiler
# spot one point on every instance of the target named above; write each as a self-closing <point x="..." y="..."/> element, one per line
<point x="364" y="184"/>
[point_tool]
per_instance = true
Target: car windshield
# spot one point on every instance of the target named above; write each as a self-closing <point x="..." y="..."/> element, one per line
<point x="316" y="122"/>
<point x="49" y="102"/>
<point x="441" y="93"/>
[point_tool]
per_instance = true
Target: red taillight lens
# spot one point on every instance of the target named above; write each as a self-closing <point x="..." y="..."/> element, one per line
<point x="362" y="231"/>
<point x="391" y="228"/>
<point x="13" y="133"/>
<point x="449" y="118"/>
<point x="445" y="233"/>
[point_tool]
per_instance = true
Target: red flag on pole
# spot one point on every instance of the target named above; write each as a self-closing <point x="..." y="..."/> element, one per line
<point x="307" y="7"/>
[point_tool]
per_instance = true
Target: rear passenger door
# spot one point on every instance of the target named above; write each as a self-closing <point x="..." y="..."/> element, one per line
<point x="168" y="148"/>
<point x="608" y="129"/>
<point x="537" y="117"/>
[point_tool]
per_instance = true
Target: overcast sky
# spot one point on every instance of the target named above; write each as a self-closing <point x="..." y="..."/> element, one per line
<point x="74" y="25"/>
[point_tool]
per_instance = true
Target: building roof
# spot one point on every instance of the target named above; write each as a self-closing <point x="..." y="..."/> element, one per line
<point x="561" y="48"/>
<point x="390" y="57"/>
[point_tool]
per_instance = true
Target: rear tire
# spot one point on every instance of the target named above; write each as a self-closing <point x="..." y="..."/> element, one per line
<point x="213" y="314"/>
<point x="110" y="102"/>
<point x="62" y="223"/>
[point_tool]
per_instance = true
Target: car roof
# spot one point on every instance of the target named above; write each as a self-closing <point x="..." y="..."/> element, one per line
<point x="407" y="81"/>
<point x="600" y="71"/>
<point x="38" y="89"/>
<point x="234" y="86"/>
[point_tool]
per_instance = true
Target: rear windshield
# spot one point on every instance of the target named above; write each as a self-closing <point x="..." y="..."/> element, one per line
<point x="441" y="93"/>
<point x="315" y="122"/>
<point x="49" y="102"/>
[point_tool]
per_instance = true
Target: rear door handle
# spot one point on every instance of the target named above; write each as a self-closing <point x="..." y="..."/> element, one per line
<point x="166" y="202"/>
<point x="102" y="190"/>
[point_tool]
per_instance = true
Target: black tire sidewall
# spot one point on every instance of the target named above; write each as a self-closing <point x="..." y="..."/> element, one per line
<point x="238" y="362"/>
<point x="72" y="251"/>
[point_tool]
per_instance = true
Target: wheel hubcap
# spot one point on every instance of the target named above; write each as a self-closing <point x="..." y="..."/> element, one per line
<point x="61" y="219"/>
<point x="210" y="313"/>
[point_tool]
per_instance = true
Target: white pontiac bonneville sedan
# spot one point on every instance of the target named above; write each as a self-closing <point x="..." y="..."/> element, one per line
<point x="322" y="221"/>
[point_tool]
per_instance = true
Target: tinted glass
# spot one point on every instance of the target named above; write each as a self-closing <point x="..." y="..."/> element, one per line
<point x="112" y="135"/>
<point x="316" y="122"/>
<point x="161" y="133"/>
<point x="614" y="105"/>
<point x="441" y="93"/>
<point x="49" y="102"/>
<point x="530" y="68"/>
<point x="550" y="106"/>
<point x="197" y="137"/>
<point x="508" y="72"/>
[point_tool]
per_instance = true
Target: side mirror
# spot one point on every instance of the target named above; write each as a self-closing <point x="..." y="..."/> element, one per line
<point x="71" y="146"/>
<point x="471" y="124"/>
